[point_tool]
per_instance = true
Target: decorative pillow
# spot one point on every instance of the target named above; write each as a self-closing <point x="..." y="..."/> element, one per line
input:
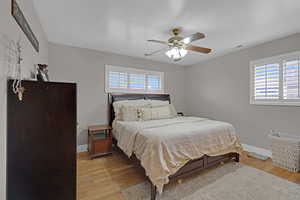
<point x="129" y="113"/>
<point x="161" y="112"/>
<point x="118" y="105"/>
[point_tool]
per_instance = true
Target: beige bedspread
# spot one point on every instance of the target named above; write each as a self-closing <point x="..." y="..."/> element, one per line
<point x="164" y="146"/>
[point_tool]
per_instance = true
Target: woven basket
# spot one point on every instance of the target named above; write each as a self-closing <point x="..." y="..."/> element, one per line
<point x="286" y="151"/>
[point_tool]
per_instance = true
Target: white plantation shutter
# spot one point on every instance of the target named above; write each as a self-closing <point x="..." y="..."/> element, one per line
<point x="153" y="82"/>
<point x="267" y="81"/>
<point x="117" y="80"/>
<point x="137" y="81"/>
<point x="291" y="79"/>
<point x="276" y="80"/>
<point x="123" y="79"/>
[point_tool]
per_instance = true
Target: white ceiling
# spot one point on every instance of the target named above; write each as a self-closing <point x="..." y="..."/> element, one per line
<point x="123" y="26"/>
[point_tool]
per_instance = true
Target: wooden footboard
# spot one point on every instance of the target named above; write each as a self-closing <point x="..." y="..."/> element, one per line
<point x="202" y="163"/>
<point x="197" y="165"/>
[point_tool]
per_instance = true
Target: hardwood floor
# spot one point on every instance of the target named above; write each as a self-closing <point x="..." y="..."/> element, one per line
<point x="105" y="177"/>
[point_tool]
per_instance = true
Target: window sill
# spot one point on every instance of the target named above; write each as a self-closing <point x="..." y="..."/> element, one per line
<point x="135" y="91"/>
<point x="268" y="103"/>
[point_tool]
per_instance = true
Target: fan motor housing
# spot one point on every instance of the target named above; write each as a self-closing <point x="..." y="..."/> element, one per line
<point x="175" y="39"/>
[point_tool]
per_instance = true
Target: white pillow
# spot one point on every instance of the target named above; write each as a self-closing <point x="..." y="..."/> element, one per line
<point x="161" y="112"/>
<point x="136" y="103"/>
<point x="173" y="110"/>
<point x="156" y="103"/>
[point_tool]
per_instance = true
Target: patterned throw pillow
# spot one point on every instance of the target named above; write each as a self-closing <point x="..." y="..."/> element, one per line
<point x="160" y="112"/>
<point x="129" y="113"/>
<point x="119" y="104"/>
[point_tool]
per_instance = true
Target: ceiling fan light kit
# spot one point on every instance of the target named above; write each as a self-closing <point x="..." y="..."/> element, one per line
<point x="178" y="47"/>
<point x="176" y="53"/>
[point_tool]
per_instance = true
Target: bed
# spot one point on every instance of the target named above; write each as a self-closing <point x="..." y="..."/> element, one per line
<point x="169" y="149"/>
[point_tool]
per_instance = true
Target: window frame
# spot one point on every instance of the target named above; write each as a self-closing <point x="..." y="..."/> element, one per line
<point x="271" y="60"/>
<point x="129" y="70"/>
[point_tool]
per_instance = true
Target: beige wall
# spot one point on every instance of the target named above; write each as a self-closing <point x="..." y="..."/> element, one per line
<point x="87" y="69"/>
<point x="9" y="30"/>
<point x="219" y="89"/>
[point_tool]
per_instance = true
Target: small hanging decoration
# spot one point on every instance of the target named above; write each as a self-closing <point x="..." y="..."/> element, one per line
<point x="20" y="91"/>
<point x="17" y="84"/>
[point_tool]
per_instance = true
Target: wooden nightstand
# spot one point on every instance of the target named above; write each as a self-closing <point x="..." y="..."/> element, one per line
<point x="100" y="140"/>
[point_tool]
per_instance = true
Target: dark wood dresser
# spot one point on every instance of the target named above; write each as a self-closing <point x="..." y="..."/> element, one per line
<point x="41" y="142"/>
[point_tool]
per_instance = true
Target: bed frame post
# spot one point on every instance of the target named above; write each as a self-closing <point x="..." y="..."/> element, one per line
<point x="237" y="157"/>
<point x="153" y="191"/>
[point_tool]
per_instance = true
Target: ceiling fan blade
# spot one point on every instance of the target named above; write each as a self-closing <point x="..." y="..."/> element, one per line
<point x="191" y="38"/>
<point x="157" y="51"/>
<point x="198" y="49"/>
<point x="158" y="41"/>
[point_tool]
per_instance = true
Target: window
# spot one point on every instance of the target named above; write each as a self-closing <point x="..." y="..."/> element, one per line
<point x="276" y="80"/>
<point x="130" y="80"/>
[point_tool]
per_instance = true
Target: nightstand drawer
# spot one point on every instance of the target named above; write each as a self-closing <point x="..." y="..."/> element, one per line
<point x="102" y="145"/>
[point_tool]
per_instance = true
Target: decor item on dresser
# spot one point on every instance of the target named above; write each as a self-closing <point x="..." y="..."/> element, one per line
<point x="171" y="148"/>
<point x="100" y="140"/>
<point x="41" y="142"/>
<point x="42" y="72"/>
<point x="21" y="20"/>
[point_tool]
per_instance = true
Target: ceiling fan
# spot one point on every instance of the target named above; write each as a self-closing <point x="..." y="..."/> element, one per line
<point x="178" y="47"/>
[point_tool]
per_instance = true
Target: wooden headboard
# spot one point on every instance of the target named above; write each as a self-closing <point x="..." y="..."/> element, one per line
<point x="121" y="97"/>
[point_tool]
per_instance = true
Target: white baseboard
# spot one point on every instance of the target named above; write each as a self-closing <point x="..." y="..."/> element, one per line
<point x="82" y="148"/>
<point x="246" y="147"/>
<point x="258" y="150"/>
